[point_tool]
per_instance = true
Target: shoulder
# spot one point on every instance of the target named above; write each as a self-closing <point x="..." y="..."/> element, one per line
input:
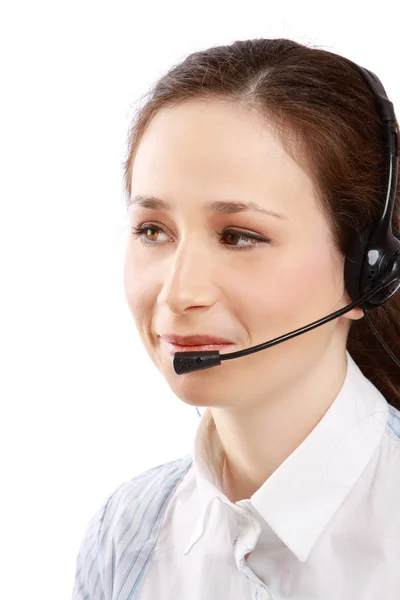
<point x="138" y="498"/>
<point x="393" y="424"/>
<point x="126" y="525"/>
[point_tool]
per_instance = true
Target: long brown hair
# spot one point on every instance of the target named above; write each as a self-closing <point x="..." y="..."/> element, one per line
<point x="327" y="120"/>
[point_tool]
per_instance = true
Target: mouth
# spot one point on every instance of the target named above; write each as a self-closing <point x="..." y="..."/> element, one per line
<point x="174" y="348"/>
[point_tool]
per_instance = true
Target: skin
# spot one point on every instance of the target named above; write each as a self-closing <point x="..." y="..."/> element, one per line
<point x="192" y="280"/>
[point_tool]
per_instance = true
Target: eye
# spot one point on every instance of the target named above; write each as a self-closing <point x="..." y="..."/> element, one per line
<point x="255" y="240"/>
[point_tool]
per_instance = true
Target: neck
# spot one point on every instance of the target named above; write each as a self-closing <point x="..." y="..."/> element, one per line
<point x="257" y="440"/>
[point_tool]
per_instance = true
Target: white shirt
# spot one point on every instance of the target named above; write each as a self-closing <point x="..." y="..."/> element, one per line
<point x="324" y="526"/>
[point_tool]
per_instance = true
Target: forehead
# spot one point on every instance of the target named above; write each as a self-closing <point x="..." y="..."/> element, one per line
<point x="213" y="149"/>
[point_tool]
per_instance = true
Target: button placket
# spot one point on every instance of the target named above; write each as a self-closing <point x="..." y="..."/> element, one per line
<point x="244" y="545"/>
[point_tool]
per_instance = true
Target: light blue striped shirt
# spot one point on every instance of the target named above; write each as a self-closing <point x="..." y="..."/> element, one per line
<point x="324" y="526"/>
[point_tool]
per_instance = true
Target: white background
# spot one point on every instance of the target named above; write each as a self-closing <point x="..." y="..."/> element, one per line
<point x="83" y="408"/>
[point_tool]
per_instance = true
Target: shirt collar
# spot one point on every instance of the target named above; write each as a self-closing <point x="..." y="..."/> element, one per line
<point x="298" y="500"/>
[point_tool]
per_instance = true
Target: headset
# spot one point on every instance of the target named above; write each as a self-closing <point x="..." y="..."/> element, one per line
<point x="372" y="266"/>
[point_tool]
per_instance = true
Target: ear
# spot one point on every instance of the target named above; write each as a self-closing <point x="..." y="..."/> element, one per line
<point x="355" y="313"/>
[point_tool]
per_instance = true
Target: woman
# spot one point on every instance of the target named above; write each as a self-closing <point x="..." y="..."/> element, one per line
<point x="251" y="167"/>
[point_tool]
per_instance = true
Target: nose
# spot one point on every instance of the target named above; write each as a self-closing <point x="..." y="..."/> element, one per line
<point x="189" y="279"/>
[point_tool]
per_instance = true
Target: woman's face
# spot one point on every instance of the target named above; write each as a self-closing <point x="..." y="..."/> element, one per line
<point x="191" y="279"/>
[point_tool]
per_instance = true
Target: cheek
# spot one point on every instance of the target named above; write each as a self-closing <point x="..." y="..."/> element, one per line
<point x="135" y="287"/>
<point x="295" y="292"/>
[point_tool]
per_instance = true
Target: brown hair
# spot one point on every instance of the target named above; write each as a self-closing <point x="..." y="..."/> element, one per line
<point x="327" y="120"/>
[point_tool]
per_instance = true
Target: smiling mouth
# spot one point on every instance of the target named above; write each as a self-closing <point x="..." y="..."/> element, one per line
<point x="174" y="348"/>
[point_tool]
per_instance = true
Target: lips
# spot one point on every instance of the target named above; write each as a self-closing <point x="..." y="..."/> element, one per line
<point x="194" y="343"/>
<point x="195" y="340"/>
<point x="174" y="348"/>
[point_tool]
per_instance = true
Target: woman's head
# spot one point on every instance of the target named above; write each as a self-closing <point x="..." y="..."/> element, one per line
<point x="294" y="130"/>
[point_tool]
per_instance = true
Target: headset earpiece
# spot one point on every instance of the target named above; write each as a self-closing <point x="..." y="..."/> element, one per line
<point x="367" y="262"/>
<point x="374" y="249"/>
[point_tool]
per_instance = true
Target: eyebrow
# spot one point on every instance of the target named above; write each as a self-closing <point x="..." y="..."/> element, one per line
<point x="218" y="206"/>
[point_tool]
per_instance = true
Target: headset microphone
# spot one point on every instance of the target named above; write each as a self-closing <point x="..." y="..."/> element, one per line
<point x="372" y="266"/>
<point x="186" y="362"/>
